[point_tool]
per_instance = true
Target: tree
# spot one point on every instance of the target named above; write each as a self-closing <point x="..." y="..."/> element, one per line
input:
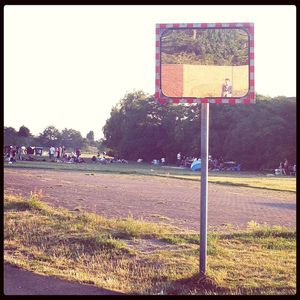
<point x="205" y="46"/>
<point x="90" y="136"/>
<point x="24" y="131"/>
<point x="257" y="136"/>
<point x="71" y="138"/>
<point x="10" y="136"/>
<point x="21" y="137"/>
<point x="51" y="136"/>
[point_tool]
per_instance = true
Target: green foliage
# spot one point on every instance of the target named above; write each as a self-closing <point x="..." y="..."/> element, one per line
<point x="50" y="136"/>
<point x="10" y="135"/>
<point x="21" y="137"/>
<point x="71" y="138"/>
<point x="257" y="136"/>
<point x="24" y="131"/>
<point x="90" y="136"/>
<point x="205" y="46"/>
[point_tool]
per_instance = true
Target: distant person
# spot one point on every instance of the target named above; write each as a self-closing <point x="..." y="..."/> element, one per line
<point x="23" y="152"/>
<point x="294" y="169"/>
<point x="281" y="168"/>
<point x="286" y="167"/>
<point x="51" y="152"/>
<point x="13" y="151"/>
<point x="65" y="157"/>
<point x="221" y="164"/>
<point x="216" y="163"/>
<point x="178" y="159"/>
<point x="63" y="150"/>
<point x="19" y="152"/>
<point x="227" y="88"/>
<point x="56" y="152"/>
<point x="78" y="153"/>
<point x="291" y="169"/>
<point x="30" y="151"/>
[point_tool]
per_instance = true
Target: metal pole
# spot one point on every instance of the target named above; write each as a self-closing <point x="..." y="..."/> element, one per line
<point x="204" y="183"/>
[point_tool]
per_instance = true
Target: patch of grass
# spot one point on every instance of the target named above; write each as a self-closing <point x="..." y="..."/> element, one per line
<point x="128" y="227"/>
<point x="160" y="217"/>
<point x="275" y="237"/>
<point x="183" y="238"/>
<point x="17" y="203"/>
<point x="84" y="247"/>
<point x="96" y="242"/>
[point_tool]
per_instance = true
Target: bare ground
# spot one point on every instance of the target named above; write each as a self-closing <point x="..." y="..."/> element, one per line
<point x="172" y="201"/>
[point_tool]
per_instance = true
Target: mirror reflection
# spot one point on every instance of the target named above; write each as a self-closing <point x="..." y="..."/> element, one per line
<point x="204" y="62"/>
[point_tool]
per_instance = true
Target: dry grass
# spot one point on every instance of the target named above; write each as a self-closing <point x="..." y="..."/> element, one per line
<point x="206" y="81"/>
<point x="196" y="80"/>
<point x="138" y="257"/>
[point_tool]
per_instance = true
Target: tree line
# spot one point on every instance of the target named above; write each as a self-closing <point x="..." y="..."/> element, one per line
<point x="226" y="47"/>
<point x="51" y="136"/>
<point x="258" y="136"/>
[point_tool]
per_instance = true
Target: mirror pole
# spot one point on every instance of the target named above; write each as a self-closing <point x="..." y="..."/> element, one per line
<point x="204" y="185"/>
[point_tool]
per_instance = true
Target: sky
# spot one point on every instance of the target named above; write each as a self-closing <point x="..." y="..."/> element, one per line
<point x="67" y="66"/>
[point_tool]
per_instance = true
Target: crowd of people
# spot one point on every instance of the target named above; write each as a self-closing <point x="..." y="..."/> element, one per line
<point x="286" y="169"/>
<point x="214" y="164"/>
<point x="13" y="153"/>
<point x="103" y="159"/>
<point x="58" y="154"/>
<point x="161" y="161"/>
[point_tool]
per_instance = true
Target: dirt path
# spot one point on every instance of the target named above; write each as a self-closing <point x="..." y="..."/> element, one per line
<point x="173" y="201"/>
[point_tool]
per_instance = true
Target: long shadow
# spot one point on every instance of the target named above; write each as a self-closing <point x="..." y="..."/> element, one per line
<point x="249" y="186"/>
<point x="206" y="286"/>
<point x="18" y="281"/>
<point x="202" y="285"/>
<point x="291" y="206"/>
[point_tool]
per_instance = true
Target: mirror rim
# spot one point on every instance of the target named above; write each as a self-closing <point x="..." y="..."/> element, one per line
<point x="249" y="97"/>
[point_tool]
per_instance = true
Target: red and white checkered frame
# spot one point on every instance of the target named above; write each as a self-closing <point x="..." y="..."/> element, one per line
<point x="247" y="99"/>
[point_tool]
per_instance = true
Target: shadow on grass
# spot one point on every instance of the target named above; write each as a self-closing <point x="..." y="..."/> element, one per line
<point x="197" y="285"/>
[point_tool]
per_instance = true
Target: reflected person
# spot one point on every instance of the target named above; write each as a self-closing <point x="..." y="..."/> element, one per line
<point x="227" y="88"/>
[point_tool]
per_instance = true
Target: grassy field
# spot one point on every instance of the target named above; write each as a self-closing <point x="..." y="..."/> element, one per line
<point x="138" y="257"/>
<point x="206" y="81"/>
<point x="241" y="179"/>
<point x="188" y="80"/>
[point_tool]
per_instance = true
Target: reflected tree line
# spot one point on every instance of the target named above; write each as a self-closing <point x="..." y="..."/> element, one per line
<point x="224" y="47"/>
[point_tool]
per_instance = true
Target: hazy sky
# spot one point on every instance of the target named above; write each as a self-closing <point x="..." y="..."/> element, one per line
<point x="68" y="65"/>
